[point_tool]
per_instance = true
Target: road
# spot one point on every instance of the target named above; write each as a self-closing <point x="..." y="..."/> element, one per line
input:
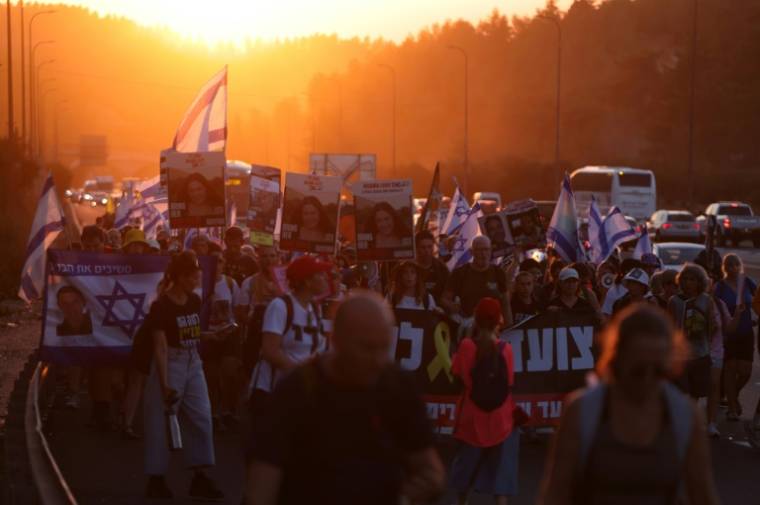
<point x="102" y="468"/>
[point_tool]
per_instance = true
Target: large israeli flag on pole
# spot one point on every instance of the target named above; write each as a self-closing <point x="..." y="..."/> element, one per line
<point x="562" y="234"/>
<point x="461" y="252"/>
<point x="459" y="210"/>
<point x="48" y="223"/>
<point x="605" y="235"/>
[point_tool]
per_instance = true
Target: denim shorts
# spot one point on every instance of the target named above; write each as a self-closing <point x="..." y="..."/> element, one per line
<point x="487" y="470"/>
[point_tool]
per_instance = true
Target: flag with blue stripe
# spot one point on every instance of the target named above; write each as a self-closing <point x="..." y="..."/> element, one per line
<point x="562" y="233"/>
<point x="644" y="244"/>
<point x="459" y="210"/>
<point x="47" y="225"/>
<point x="94" y="304"/>
<point x="608" y="233"/>
<point x="461" y="253"/>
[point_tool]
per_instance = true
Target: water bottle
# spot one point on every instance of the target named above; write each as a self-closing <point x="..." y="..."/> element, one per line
<point x="173" y="433"/>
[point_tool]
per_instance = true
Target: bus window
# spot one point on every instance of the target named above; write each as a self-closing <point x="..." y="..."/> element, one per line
<point x="638" y="180"/>
<point x="597" y="183"/>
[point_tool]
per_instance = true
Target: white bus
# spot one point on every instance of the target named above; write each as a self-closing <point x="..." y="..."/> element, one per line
<point x="633" y="190"/>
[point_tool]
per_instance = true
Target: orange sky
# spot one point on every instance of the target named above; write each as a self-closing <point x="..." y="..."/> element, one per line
<point x="237" y="19"/>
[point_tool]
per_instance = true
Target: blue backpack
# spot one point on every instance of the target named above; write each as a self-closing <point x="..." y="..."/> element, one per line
<point x="490" y="381"/>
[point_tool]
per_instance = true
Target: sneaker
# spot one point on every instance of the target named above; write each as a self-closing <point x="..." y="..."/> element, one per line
<point x="203" y="488"/>
<point x="157" y="489"/>
<point x="712" y="431"/>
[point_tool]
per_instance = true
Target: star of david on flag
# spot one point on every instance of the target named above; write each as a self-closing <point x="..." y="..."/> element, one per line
<point x="135" y="311"/>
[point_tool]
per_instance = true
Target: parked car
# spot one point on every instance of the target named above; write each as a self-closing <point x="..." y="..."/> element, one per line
<point x="675" y="225"/>
<point x="674" y="255"/>
<point x="735" y="222"/>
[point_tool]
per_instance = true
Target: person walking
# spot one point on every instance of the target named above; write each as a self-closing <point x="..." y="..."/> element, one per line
<point x="694" y="313"/>
<point x="177" y="384"/>
<point x="633" y="438"/>
<point x="487" y="461"/>
<point x="407" y="290"/>
<point x="347" y="427"/>
<point x="737" y="291"/>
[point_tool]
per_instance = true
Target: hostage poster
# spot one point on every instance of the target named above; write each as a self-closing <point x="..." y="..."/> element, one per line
<point x="196" y="189"/>
<point x="310" y="213"/>
<point x="384" y="220"/>
<point x="264" y="203"/>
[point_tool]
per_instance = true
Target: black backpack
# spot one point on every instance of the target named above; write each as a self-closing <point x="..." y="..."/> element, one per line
<point x="490" y="381"/>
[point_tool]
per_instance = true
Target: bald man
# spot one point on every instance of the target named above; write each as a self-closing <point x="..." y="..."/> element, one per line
<point x="347" y="427"/>
<point x="476" y="280"/>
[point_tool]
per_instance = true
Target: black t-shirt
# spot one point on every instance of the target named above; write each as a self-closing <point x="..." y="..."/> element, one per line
<point x="341" y="446"/>
<point x="471" y="286"/>
<point x="522" y="311"/>
<point x="436" y="278"/>
<point x="180" y="323"/>
<point x="239" y="266"/>
<point x="581" y="306"/>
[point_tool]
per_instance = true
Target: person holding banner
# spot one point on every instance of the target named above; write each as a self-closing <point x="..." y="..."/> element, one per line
<point x="407" y="290"/>
<point x="176" y="383"/>
<point x="634" y="437"/>
<point x="487" y="461"/>
<point x="434" y="271"/>
<point x="569" y="300"/>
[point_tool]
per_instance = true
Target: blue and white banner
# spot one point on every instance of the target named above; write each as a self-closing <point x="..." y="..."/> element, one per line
<point x="459" y="210"/>
<point x="48" y="223"/>
<point x="608" y="233"/>
<point x="562" y="234"/>
<point x="95" y="303"/>
<point x="461" y="252"/>
<point x="644" y="244"/>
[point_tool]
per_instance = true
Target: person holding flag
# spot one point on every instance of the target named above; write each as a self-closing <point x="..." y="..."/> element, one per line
<point x="562" y="233"/>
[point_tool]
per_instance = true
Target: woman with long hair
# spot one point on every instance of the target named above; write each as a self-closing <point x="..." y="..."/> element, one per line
<point x="736" y="290"/>
<point x="177" y="383"/>
<point x="487" y="460"/>
<point x="694" y="313"/>
<point x="199" y="197"/>
<point x="408" y="290"/>
<point x="386" y="226"/>
<point x="634" y="437"/>
<point x="312" y="220"/>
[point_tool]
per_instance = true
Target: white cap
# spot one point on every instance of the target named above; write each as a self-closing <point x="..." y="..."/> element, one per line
<point x="568" y="273"/>
<point x="637" y="275"/>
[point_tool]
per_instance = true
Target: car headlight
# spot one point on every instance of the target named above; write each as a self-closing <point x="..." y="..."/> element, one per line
<point x="88" y="197"/>
<point x="104" y="201"/>
<point x="68" y="193"/>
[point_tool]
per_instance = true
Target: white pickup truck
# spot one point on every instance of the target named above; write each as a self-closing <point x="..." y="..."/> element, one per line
<point x="735" y="222"/>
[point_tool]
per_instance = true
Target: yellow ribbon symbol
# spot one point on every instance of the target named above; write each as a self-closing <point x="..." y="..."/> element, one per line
<point x="442" y="360"/>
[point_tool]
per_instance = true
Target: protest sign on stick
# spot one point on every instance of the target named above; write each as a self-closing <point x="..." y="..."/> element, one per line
<point x="384" y="221"/>
<point x="524" y="223"/>
<point x="494" y="226"/>
<point x="196" y="189"/>
<point x="310" y="213"/>
<point x="264" y="202"/>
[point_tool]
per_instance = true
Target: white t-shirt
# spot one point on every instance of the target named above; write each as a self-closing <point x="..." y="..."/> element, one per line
<point x="409" y="302"/>
<point x="225" y="293"/>
<point x="302" y="340"/>
<point x="615" y="293"/>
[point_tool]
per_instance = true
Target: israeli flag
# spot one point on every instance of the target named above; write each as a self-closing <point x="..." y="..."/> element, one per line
<point x="608" y="233"/>
<point x="94" y="304"/>
<point x="643" y="245"/>
<point x="459" y="210"/>
<point x="465" y="233"/>
<point x="562" y="233"/>
<point x="48" y="223"/>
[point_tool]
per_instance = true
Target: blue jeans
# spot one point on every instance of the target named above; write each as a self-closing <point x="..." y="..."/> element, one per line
<point x="184" y="373"/>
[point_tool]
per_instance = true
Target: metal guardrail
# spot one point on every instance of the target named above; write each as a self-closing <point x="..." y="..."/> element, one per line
<point x="48" y="479"/>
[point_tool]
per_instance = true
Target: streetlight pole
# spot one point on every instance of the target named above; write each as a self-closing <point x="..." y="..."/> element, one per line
<point x="31" y="67"/>
<point x="10" y="71"/>
<point x="40" y="118"/>
<point x="36" y="113"/>
<point x="692" y="96"/>
<point x="466" y="117"/>
<point x="393" y="76"/>
<point x="557" y="24"/>
<point x="33" y="88"/>
<point x="55" y="128"/>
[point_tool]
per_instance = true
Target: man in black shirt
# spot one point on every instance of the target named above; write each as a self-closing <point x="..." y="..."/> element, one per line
<point x="236" y="265"/>
<point x="347" y="427"/>
<point x="524" y="304"/>
<point x="474" y="281"/>
<point x="436" y="273"/>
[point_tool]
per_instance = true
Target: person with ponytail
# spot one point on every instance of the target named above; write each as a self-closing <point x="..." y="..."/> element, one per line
<point x="177" y="382"/>
<point x="487" y="460"/>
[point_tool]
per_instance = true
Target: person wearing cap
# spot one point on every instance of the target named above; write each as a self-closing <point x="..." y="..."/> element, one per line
<point x="135" y="243"/>
<point x="568" y="298"/>
<point x="292" y="329"/>
<point x="177" y="383"/>
<point x="650" y="263"/>
<point x="487" y="461"/>
<point x="237" y="265"/>
<point x="636" y="283"/>
<point x="617" y="290"/>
